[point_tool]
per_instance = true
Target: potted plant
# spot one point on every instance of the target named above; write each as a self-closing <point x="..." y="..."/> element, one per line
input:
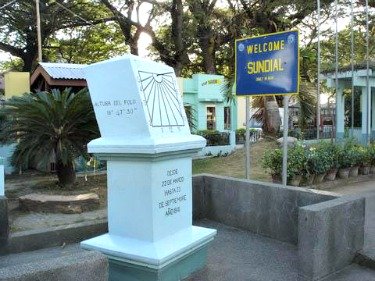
<point x="356" y="152"/>
<point x="319" y="161"/>
<point x="366" y="160"/>
<point x="240" y="136"/>
<point x="273" y="161"/>
<point x="296" y="164"/>
<point x="349" y="158"/>
<point x="345" y="160"/>
<point x="331" y="154"/>
<point x="371" y="155"/>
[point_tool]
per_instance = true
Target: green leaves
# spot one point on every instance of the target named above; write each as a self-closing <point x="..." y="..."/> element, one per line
<point x="48" y="125"/>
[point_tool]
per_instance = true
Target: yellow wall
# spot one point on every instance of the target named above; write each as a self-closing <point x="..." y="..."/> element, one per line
<point x="16" y="83"/>
<point x="180" y="84"/>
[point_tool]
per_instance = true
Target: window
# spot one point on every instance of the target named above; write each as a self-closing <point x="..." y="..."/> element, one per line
<point x="189" y="116"/>
<point x="227" y="118"/>
<point x="211" y="118"/>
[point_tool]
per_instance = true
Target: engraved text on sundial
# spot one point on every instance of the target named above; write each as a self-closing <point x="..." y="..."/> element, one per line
<point x="161" y="99"/>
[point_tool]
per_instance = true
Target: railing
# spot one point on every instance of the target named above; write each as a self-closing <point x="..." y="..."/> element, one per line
<point x="356" y="133"/>
<point x="327" y="132"/>
<point x="255" y="135"/>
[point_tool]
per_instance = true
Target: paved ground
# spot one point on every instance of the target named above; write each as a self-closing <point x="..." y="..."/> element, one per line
<point x="21" y="221"/>
<point x="35" y="256"/>
<point x="367" y="189"/>
<point x="241" y="255"/>
<point x="234" y="255"/>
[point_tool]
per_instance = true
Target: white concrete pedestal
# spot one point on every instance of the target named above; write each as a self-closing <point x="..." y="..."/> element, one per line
<point x="150" y="218"/>
<point x="147" y="143"/>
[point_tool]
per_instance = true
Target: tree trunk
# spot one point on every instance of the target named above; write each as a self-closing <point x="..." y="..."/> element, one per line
<point x="65" y="174"/>
<point x="272" y="119"/>
<point x="208" y="54"/>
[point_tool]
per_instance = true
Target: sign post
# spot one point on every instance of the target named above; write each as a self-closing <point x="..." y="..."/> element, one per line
<point x="268" y="65"/>
<point x="285" y="140"/>
<point x="247" y="140"/>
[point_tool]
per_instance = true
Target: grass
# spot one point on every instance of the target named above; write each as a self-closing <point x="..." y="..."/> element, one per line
<point x="234" y="165"/>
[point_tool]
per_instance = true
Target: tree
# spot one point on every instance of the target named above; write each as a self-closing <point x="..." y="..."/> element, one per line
<point x="49" y="124"/>
<point x="171" y="49"/>
<point x="86" y="44"/>
<point x="124" y="16"/>
<point x="18" y="34"/>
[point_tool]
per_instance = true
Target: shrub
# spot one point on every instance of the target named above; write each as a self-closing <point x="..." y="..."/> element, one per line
<point x="363" y="155"/>
<point x="348" y="154"/>
<point x="273" y="161"/>
<point x="321" y="158"/>
<point x="371" y="154"/>
<point x="296" y="161"/>
<point x="50" y="124"/>
<point x="214" y="138"/>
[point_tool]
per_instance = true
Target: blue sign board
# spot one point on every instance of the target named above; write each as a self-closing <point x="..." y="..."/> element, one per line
<point x="268" y="64"/>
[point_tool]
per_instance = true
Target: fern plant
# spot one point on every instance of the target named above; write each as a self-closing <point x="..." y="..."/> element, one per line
<point x="47" y="125"/>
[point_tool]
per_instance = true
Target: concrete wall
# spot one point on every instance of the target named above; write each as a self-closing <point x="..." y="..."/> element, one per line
<point x="24" y="241"/>
<point x="266" y="209"/>
<point x="205" y="90"/>
<point x="220" y="150"/>
<point x="81" y="266"/>
<point x="332" y="232"/>
<point x="16" y="83"/>
<point x="328" y="230"/>
<point x="6" y="152"/>
<point x="4" y="222"/>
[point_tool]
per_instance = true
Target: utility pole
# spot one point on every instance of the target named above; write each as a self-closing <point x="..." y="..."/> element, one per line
<point x="38" y="31"/>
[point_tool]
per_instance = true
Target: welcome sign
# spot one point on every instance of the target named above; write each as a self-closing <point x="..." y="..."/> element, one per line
<point x="267" y="64"/>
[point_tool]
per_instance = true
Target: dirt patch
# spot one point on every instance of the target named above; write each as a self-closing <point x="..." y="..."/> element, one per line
<point x="234" y="165"/>
<point x="34" y="182"/>
<point x="27" y="183"/>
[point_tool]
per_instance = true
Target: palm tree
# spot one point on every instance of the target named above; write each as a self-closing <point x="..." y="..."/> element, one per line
<point x="44" y="125"/>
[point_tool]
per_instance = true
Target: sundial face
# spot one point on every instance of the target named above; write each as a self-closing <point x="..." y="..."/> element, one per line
<point x="161" y="99"/>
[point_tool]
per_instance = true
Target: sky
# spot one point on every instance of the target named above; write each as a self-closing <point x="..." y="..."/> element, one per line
<point x="145" y="40"/>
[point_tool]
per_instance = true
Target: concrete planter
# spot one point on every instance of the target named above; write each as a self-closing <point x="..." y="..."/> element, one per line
<point x="296" y="180"/>
<point x="276" y="178"/>
<point x="353" y="172"/>
<point x="364" y="170"/>
<point x="4" y="221"/>
<point x="310" y="179"/>
<point x="319" y="178"/>
<point x="331" y="175"/>
<point x="327" y="230"/>
<point x="344" y="173"/>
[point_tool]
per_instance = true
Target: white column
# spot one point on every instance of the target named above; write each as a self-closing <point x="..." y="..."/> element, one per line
<point x="2" y="185"/>
<point x="340" y="116"/>
<point x="364" y="115"/>
<point x="373" y="115"/>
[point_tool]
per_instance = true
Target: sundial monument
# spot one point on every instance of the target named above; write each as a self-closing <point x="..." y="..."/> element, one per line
<point x="146" y="140"/>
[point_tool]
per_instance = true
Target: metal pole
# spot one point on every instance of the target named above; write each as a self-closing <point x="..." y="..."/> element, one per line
<point x="285" y="139"/>
<point x="247" y="142"/>
<point x="368" y="127"/>
<point x="352" y="62"/>
<point x="38" y="31"/>
<point x="336" y="60"/>
<point x="318" y="80"/>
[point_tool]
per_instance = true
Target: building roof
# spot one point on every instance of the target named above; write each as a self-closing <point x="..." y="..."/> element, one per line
<point x="57" y="75"/>
<point x="64" y="70"/>
<point x="2" y="82"/>
<point x="348" y="67"/>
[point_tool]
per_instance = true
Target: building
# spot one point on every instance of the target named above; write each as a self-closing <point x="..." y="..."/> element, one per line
<point x="346" y="79"/>
<point x="49" y="76"/>
<point x="16" y="83"/>
<point x="205" y="103"/>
